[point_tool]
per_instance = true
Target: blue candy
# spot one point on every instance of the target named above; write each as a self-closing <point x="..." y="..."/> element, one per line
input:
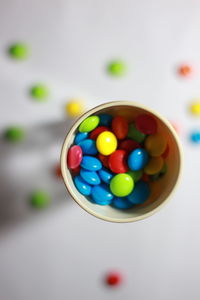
<point x="105" y="175"/>
<point x="90" y="177"/>
<point x="122" y="203"/>
<point x="195" y="137"/>
<point x="137" y="159"/>
<point x="80" y="136"/>
<point x="105" y="120"/>
<point x="140" y="193"/>
<point x="91" y="163"/>
<point x="88" y="146"/>
<point x="101" y="194"/>
<point x="83" y="187"/>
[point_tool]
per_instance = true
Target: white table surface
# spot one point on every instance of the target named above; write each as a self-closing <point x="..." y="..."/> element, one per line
<point x="63" y="253"/>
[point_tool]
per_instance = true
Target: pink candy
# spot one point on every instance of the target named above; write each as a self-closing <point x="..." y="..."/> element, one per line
<point x="74" y="157"/>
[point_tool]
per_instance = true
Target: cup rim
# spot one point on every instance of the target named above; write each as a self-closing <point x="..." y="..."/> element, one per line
<point x="63" y="162"/>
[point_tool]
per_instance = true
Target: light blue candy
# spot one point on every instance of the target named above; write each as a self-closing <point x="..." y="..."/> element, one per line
<point x="88" y="146"/>
<point x="101" y="194"/>
<point x="90" y="177"/>
<point x="122" y="203"/>
<point x="140" y="193"/>
<point x="137" y="159"/>
<point x="105" y="175"/>
<point x="105" y="120"/>
<point x="91" y="163"/>
<point x="83" y="187"/>
<point x="80" y="136"/>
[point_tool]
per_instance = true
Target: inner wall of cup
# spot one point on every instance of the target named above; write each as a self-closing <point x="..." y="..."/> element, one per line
<point x="160" y="190"/>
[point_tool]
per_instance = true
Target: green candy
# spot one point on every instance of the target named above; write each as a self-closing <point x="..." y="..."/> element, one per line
<point x="135" y="134"/>
<point x="39" y="92"/>
<point x="40" y="199"/>
<point x="18" y="51"/>
<point x="136" y="175"/>
<point x="116" y="68"/>
<point x="122" y="185"/>
<point x="14" y="134"/>
<point x="89" y="124"/>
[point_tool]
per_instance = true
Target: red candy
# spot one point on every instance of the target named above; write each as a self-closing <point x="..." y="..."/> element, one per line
<point x="145" y="177"/>
<point x="129" y="145"/>
<point x="120" y="127"/>
<point x="113" y="279"/>
<point x="146" y="124"/>
<point x="76" y="171"/>
<point x="58" y="172"/>
<point x="94" y="134"/>
<point x="104" y="160"/>
<point x="74" y="157"/>
<point x="117" y="161"/>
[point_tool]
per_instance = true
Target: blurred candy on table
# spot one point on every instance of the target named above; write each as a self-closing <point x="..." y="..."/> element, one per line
<point x="57" y="171"/>
<point x="18" y="51"/>
<point x="185" y="70"/>
<point x="113" y="279"/>
<point x="14" y="134"/>
<point x="74" y="108"/>
<point x="40" y="199"/>
<point x="116" y="68"/>
<point x="195" y="136"/>
<point x="195" y="108"/>
<point x="39" y="92"/>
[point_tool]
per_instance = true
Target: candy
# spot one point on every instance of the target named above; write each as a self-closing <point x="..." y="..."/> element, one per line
<point x="94" y="134"/>
<point x="83" y="187"/>
<point x="40" y="199"/>
<point x="14" y="134"/>
<point x="145" y="177"/>
<point x="136" y="175"/>
<point x="40" y="92"/>
<point x="113" y="279"/>
<point x="154" y="165"/>
<point x="90" y="177"/>
<point x="117" y="161"/>
<point x="74" y="157"/>
<point x="128" y="145"/>
<point x="121" y="185"/>
<point x="160" y="174"/>
<point x="137" y="159"/>
<point x="88" y="146"/>
<point x="185" y="70"/>
<point x="116" y="68"/>
<point x="91" y="163"/>
<point x="146" y="124"/>
<point x="135" y="134"/>
<point x="18" y="51"/>
<point x="105" y="175"/>
<point x="195" y="108"/>
<point x="89" y="124"/>
<point x="101" y="194"/>
<point x="140" y="193"/>
<point x="76" y="170"/>
<point x="104" y="160"/>
<point x="195" y="136"/>
<point x="57" y="171"/>
<point x="155" y="144"/>
<point x="106" y="143"/>
<point x="105" y="120"/>
<point x="74" y="108"/>
<point x="80" y="136"/>
<point x="121" y="203"/>
<point x="120" y="127"/>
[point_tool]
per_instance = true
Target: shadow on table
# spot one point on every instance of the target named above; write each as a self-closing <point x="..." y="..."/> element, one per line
<point x="28" y="166"/>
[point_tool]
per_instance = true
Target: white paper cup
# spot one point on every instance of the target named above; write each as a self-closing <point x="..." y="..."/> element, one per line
<point x="161" y="190"/>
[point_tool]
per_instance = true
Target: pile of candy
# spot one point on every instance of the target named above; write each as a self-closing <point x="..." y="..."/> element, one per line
<point x="113" y="161"/>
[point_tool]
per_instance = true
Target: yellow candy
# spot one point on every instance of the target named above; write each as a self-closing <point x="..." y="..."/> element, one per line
<point x="155" y="144"/>
<point x="74" y="108"/>
<point x="195" y="108"/>
<point x="106" y="143"/>
<point x="154" y="165"/>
